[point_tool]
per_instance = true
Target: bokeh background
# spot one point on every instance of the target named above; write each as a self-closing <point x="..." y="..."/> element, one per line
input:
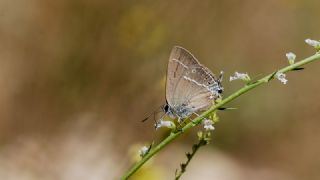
<point x="77" y="76"/>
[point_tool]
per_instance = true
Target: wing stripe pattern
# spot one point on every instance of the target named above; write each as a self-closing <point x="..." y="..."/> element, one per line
<point x="190" y="86"/>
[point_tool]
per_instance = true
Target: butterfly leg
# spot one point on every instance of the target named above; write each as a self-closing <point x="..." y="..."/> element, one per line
<point x="181" y="124"/>
<point x="198" y="116"/>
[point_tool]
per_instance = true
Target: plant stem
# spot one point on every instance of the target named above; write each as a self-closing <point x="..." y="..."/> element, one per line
<point x="203" y="140"/>
<point x="199" y="119"/>
<point x="187" y="163"/>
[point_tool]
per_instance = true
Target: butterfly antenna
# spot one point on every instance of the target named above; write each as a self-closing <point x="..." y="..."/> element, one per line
<point x="145" y="119"/>
<point x="221" y="76"/>
<point x="153" y="113"/>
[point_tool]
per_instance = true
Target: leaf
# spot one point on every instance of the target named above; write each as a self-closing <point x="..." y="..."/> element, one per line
<point x="297" y="69"/>
<point x="194" y="147"/>
<point x="188" y="155"/>
<point x="150" y="147"/>
<point x="251" y="82"/>
<point x="183" y="167"/>
<point x="226" y="108"/>
<point x="272" y="75"/>
<point x="254" y="79"/>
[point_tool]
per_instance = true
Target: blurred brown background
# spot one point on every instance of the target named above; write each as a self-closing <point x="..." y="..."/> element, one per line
<point x="77" y="77"/>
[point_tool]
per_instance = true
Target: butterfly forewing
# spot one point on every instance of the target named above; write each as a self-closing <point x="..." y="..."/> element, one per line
<point x="179" y="62"/>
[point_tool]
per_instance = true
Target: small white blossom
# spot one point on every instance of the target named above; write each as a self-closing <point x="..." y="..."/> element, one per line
<point x="208" y="124"/>
<point x="281" y="77"/>
<point x="143" y="151"/>
<point x="291" y="57"/>
<point x="163" y="123"/>
<point x="314" y="43"/>
<point x="242" y="76"/>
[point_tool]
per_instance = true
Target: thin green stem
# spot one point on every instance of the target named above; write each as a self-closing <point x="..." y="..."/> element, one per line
<point x="204" y="138"/>
<point x="187" y="163"/>
<point x="199" y="119"/>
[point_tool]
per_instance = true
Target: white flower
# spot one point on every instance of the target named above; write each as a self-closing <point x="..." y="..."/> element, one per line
<point x="143" y="151"/>
<point x="208" y="124"/>
<point x="314" y="43"/>
<point x="291" y="57"/>
<point x="242" y="76"/>
<point x="281" y="77"/>
<point x="163" y="123"/>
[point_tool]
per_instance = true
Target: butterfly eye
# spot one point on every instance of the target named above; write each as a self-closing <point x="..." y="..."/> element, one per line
<point x="220" y="91"/>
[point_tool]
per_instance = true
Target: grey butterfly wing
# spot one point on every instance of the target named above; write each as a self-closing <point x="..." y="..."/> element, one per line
<point x="203" y="83"/>
<point x="178" y="64"/>
<point x="203" y="88"/>
<point x="187" y="81"/>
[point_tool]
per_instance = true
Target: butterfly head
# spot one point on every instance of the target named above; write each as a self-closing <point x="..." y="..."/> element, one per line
<point x="167" y="110"/>
<point x="165" y="107"/>
<point x="216" y="88"/>
<point x="219" y="81"/>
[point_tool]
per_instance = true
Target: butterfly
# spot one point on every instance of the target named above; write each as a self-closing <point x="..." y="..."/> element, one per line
<point x="190" y="86"/>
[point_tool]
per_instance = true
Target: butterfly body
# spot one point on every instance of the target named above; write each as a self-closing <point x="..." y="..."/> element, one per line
<point x="180" y="111"/>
